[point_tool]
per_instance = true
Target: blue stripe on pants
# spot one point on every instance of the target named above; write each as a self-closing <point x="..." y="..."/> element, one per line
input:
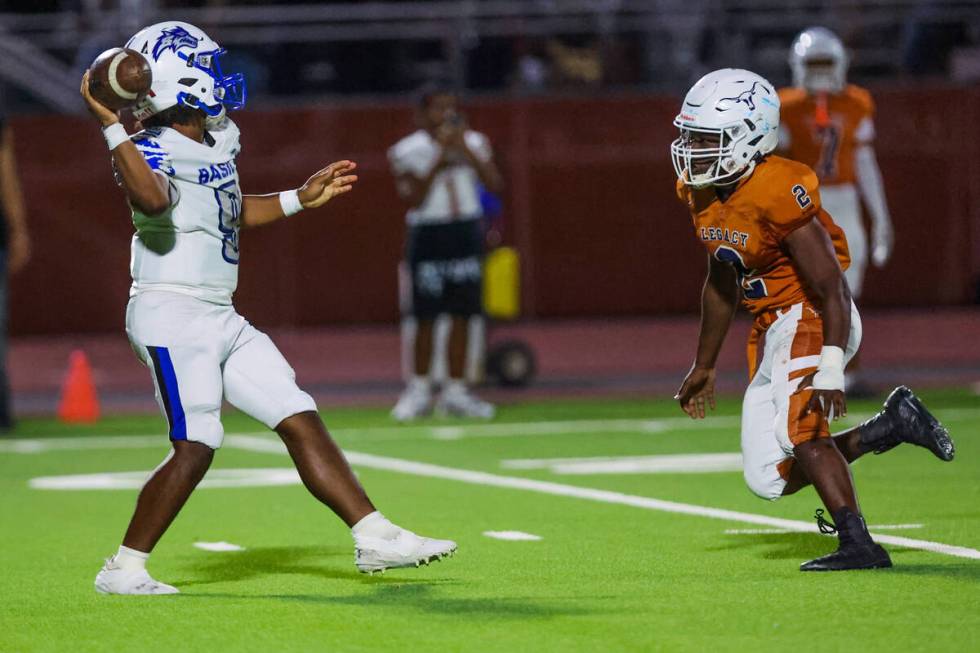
<point x="167" y="379"/>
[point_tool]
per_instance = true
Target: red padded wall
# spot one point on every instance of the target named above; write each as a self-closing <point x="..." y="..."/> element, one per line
<point x="589" y="203"/>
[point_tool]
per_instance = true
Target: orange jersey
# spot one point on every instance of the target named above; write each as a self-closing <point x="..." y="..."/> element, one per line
<point x="825" y="130"/>
<point x="747" y="229"/>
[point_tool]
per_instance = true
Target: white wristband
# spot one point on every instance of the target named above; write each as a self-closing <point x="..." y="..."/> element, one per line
<point x="115" y="135"/>
<point x="289" y="201"/>
<point x="830" y="371"/>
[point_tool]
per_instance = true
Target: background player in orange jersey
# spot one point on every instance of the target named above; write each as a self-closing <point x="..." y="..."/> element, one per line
<point x="828" y="124"/>
<point x="761" y="220"/>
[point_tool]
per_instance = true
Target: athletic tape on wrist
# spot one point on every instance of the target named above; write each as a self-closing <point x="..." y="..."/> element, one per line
<point x="115" y="135"/>
<point x="830" y="371"/>
<point x="289" y="201"/>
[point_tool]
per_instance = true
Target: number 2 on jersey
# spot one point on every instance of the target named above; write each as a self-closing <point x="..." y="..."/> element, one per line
<point x="753" y="288"/>
<point x="802" y="197"/>
<point x="229" y="200"/>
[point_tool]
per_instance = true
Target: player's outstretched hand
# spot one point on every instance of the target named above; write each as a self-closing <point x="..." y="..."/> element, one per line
<point x="327" y="184"/>
<point x="698" y="388"/>
<point x="830" y="403"/>
<point x="102" y="113"/>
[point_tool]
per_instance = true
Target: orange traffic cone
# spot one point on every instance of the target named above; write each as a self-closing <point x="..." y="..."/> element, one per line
<point x="79" y="401"/>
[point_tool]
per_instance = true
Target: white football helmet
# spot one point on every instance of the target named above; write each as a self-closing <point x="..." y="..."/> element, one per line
<point x="735" y="108"/>
<point x="818" y="44"/>
<point x="186" y="70"/>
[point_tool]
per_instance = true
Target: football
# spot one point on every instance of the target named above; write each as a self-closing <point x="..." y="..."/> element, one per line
<point x="119" y="78"/>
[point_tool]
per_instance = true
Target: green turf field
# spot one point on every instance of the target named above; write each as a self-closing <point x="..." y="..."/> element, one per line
<point x="612" y="570"/>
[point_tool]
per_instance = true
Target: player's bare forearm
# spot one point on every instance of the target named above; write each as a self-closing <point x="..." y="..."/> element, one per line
<point x="814" y="258"/>
<point x="12" y="205"/>
<point x="813" y="255"/>
<point x="836" y="315"/>
<point x="258" y="210"/>
<point x="10" y="191"/>
<point x="148" y="191"/>
<point x="719" y="301"/>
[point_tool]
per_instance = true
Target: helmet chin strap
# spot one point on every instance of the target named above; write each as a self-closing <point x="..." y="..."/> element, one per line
<point x="710" y="173"/>
<point x="745" y="173"/>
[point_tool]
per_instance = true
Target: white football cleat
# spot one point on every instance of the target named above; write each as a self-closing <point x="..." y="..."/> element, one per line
<point x="414" y="402"/>
<point x="458" y="401"/>
<point x="113" y="579"/>
<point x="406" y="549"/>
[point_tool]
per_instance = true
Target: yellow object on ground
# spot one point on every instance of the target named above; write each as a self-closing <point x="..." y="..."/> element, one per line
<point x="502" y="284"/>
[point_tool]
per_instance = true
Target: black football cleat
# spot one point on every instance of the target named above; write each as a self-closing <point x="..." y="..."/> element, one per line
<point x="856" y="549"/>
<point x="851" y="556"/>
<point x="905" y="419"/>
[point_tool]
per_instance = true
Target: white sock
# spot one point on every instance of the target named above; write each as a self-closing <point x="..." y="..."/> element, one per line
<point x="131" y="559"/>
<point x="455" y="386"/>
<point x="420" y="384"/>
<point x="375" y="525"/>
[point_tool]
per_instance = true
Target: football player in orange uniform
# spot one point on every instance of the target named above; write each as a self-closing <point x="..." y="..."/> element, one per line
<point x="828" y="124"/>
<point x="767" y="235"/>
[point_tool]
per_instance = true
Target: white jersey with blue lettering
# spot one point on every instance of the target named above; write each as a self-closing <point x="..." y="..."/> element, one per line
<point x="192" y="248"/>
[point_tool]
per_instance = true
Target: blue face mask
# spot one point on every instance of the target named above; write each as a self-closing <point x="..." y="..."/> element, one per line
<point x="229" y="90"/>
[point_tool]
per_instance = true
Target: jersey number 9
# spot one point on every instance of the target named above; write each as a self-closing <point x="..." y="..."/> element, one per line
<point x="229" y="200"/>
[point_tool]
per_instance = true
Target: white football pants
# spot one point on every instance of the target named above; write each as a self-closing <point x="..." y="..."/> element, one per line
<point x="844" y="206"/>
<point x="199" y="352"/>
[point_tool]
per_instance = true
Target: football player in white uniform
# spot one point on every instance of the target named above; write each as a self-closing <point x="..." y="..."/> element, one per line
<point x="181" y="180"/>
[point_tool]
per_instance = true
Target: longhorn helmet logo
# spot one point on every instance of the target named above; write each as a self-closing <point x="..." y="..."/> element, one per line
<point x="746" y="97"/>
<point x="173" y="38"/>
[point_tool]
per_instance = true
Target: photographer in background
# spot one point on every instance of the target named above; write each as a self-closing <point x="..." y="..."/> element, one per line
<point x="15" y="251"/>
<point x="439" y="171"/>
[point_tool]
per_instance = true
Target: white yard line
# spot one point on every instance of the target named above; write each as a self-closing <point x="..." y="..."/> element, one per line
<point x="520" y="429"/>
<point x="456" y="432"/>
<point x="579" y="426"/>
<point x="503" y="429"/>
<point x="696" y="463"/>
<point x="267" y="445"/>
<point x="218" y="547"/>
<point x="41" y="445"/>
<point x="513" y="536"/>
<point x="216" y="478"/>
<point x="264" y="445"/>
